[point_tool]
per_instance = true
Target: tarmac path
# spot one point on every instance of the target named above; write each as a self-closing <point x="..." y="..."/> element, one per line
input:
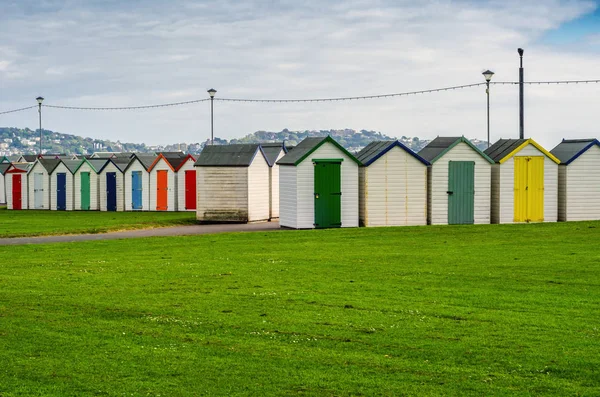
<point x="156" y="232"/>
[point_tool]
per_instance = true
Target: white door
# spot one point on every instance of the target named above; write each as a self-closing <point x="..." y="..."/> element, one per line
<point x="38" y="190"/>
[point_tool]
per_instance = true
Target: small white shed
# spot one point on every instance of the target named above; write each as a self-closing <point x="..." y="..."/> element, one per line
<point x="233" y="184"/>
<point x="458" y="182"/>
<point x="274" y="152"/>
<point x="163" y="181"/>
<point x="3" y="169"/>
<point x="137" y="182"/>
<point x="111" y="185"/>
<point x="85" y="185"/>
<point x="16" y="186"/>
<point x="392" y="185"/>
<point x="40" y="187"/>
<point x="187" y="194"/>
<point x="61" y="180"/>
<point x="318" y="186"/>
<point x="578" y="179"/>
<point x="524" y="182"/>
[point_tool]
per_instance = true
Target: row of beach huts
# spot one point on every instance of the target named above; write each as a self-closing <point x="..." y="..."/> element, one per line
<point x="319" y="184"/>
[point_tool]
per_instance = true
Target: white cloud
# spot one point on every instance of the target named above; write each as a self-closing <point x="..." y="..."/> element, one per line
<point x="148" y="52"/>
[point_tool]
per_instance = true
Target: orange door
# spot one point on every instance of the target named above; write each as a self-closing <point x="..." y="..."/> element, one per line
<point x="162" y="191"/>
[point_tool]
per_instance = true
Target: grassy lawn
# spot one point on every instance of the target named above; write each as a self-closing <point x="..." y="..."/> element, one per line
<point x="41" y="223"/>
<point x="477" y="310"/>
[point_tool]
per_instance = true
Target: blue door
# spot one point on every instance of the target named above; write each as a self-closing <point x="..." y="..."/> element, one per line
<point x="61" y="191"/>
<point x="136" y="190"/>
<point x="111" y="191"/>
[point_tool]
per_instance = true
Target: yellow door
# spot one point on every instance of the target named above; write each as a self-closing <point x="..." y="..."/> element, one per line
<point x="529" y="189"/>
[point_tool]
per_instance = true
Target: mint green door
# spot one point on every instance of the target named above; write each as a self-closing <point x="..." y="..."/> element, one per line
<point x="85" y="191"/>
<point x="461" y="192"/>
<point x="328" y="193"/>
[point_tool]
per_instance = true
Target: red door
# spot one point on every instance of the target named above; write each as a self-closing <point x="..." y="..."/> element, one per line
<point x="162" y="190"/>
<point x="190" y="190"/>
<point x="16" y="192"/>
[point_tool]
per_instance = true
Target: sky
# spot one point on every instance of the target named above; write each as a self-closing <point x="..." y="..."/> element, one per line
<point x="130" y="53"/>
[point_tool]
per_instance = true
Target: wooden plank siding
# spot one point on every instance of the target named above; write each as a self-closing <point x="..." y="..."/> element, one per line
<point x="258" y="189"/>
<point x="274" y="188"/>
<point x="438" y="185"/>
<point x="288" y="196"/>
<point x="181" y="187"/>
<point x="222" y="194"/>
<point x="582" y="187"/>
<point x="162" y="165"/>
<point x="393" y="191"/>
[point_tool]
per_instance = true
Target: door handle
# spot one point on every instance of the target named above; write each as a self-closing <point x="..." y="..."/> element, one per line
<point x="449" y="192"/>
<point x="316" y="195"/>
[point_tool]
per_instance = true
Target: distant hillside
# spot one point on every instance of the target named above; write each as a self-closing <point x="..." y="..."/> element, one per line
<point x="26" y="141"/>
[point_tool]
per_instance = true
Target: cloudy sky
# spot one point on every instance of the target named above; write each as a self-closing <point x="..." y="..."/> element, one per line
<point x="128" y="53"/>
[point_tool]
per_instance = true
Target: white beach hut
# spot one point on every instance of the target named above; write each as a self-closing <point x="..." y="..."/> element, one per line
<point x="274" y="152"/>
<point x="163" y="181"/>
<point x="16" y="186"/>
<point x="392" y="185"/>
<point x="111" y="185"/>
<point x="187" y="180"/>
<point x="3" y="169"/>
<point x="137" y="182"/>
<point x="458" y="182"/>
<point x="85" y="185"/>
<point x="318" y="186"/>
<point x="61" y="183"/>
<point x="233" y="184"/>
<point x="578" y="179"/>
<point x="40" y="187"/>
<point x="524" y="182"/>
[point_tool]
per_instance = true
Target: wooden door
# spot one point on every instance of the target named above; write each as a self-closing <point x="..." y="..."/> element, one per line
<point x="328" y="193"/>
<point x="61" y="191"/>
<point x="85" y="191"/>
<point x="190" y="190"/>
<point x="38" y="190"/>
<point x="162" y="190"/>
<point x="136" y="190"/>
<point x="529" y="189"/>
<point x="461" y="192"/>
<point x="111" y="191"/>
<point x="17" y="199"/>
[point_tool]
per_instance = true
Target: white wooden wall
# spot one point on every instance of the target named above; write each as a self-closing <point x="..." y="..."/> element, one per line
<point x="438" y="185"/>
<point x="94" y="199"/>
<point x="38" y="168"/>
<point x="53" y="194"/>
<point x="102" y="187"/>
<point x="24" y="191"/>
<point x="161" y="165"/>
<point x="582" y="198"/>
<point x="495" y="205"/>
<point x="2" y="189"/>
<point x="222" y="193"/>
<point x="288" y="196"/>
<point x="305" y="187"/>
<point x="128" y="185"/>
<point x="506" y="187"/>
<point x="562" y="193"/>
<point x="188" y="166"/>
<point x="258" y="189"/>
<point x="274" y="187"/>
<point x="394" y="191"/>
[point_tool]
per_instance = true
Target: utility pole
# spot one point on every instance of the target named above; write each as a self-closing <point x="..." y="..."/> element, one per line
<point x="521" y="109"/>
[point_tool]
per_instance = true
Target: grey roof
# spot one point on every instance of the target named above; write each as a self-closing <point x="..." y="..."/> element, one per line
<point x="4" y="167"/>
<point x="173" y="154"/>
<point x="300" y="150"/>
<point x="437" y="147"/>
<point x="228" y="155"/>
<point x="30" y="158"/>
<point x="98" y="164"/>
<point x="376" y="149"/>
<point x="569" y="149"/>
<point x="121" y="162"/>
<point x="49" y="164"/>
<point x="174" y="159"/>
<point x="72" y="165"/>
<point x="13" y="158"/>
<point x="503" y="148"/>
<point x="272" y="150"/>
<point x="145" y="159"/>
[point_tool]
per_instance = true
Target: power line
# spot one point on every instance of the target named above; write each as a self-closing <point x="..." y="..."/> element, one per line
<point x="126" y="107"/>
<point x="18" y="110"/>
<point x="548" y="82"/>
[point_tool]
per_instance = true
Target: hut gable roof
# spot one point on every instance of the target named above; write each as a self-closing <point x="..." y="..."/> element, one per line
<point x="48" y="164"/>
<point x="72" y="165"/>
<point x="95" y="164"/>
<point x="240" y="155"/>
<point x="120" y="163"/>
<point x="272" y="150"/>
<point x="4" y="159"/>
<point x="4" y="167"/>
<point x="570" y="149"/>
<point x="30" y="158"/>
<point x="307" y="146"/>
<point x="504" y="149"/>
<point x="18" y="168"/>
<point x="174" y="160"/>
<point x="376" y="149"/>
<point x="441" y="145"/>
<point x="146" y="160"/>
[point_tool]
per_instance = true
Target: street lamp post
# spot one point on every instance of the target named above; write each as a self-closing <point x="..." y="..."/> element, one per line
<point x="488" y="76"/>
<point x="39" y="101"/>
<point x="212" y="93"/>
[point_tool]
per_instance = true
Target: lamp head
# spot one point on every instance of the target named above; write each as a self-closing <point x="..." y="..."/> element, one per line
<point x="39" y="100"/>
<point x="212" y="92"/>
<point x="520" y="51"/>
<point x="488" y="75"/>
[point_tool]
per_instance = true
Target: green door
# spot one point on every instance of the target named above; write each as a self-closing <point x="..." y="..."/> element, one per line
<point x="85" y="191"/>
<point x="461" y="192"/>
<point x="328" y="193"/>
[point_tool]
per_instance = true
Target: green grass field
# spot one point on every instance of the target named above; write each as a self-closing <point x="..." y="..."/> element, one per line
<point x="476" y="310"/>
<point x="41" y="223"/>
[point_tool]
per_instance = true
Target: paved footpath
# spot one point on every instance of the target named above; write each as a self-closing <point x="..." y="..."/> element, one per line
<point x="158" y="232"/>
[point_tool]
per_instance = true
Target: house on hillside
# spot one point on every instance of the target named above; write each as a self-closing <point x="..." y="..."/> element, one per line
<point x="578" y="179"/>
<point x="318" y="186"/>
<point x="458" y="182"/>
<point x="233" y="184"/>
<point x="524" y="182"/>
<point x="392" y="185"/>
<point x="274" y="152"/>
